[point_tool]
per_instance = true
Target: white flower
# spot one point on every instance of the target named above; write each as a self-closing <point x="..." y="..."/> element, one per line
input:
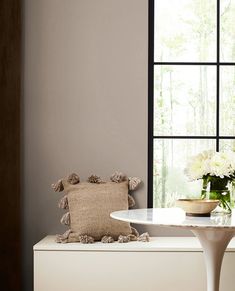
<point x="220" y="164"/>
<point x="207" y="154"/>
<point x="198" y="166"/>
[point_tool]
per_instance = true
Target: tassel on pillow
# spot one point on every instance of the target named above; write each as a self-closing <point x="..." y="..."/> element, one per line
<point x="86" y="239"/>
<point x="131" y="201"/>
<point x="65" y="219"/>
<point x="73" y="179"/>
<point x="107" y="239"/>
<point x="58" y="186"/>
<point x="144" y="237"/>
<point x="118" y="177"/>
<point x="95" y="179"/>
<point x="133" y="183"/>
<point x="63" y="238"/>
<point x="134" y="231"/>
<point x="63" y="203"/>
<point x="123" y="238"/>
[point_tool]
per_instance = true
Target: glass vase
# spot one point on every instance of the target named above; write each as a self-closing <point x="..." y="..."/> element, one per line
<point x="219" y="189"/>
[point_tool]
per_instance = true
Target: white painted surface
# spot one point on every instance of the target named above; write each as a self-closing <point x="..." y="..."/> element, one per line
<point x="158" y="244"/>
<point x="164" y="264"/>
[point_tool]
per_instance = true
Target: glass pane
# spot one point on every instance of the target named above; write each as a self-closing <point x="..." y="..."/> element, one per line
<point x="170" y="159"/>
<point x="227" y="145"/>
<point x="185" y="30"/>
<point x="227" y="101"/>
<point x="227" y="28"/>
<point x="184" y="100"/>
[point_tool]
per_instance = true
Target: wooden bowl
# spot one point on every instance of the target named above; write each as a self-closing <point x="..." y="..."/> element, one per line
<point x="197" y="207"/>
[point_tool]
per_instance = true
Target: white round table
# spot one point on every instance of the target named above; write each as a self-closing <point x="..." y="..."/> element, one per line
<point x="214" y="233"/>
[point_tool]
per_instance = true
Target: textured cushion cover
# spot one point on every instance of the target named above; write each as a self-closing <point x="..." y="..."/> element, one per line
<point x="90" y="206"/>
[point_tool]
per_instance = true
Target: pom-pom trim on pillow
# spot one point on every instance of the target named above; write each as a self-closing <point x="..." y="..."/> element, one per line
<point x="131" y="201"/>
<point x="65" y="219"/>
<point x="63" y="203"/>
<point x="118" y="177"/>
<point x="133" y="183"/>
<point x="95" y="179"/>
<point x="73" y="179"/>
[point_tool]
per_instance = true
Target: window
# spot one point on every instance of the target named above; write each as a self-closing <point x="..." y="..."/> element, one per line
<point x="191" y="90"/>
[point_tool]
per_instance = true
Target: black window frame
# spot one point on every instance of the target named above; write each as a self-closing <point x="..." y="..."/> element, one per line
<point x="151" y="65"/>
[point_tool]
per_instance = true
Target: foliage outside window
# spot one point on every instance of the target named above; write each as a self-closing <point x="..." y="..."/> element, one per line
<point x="192" y="89"/>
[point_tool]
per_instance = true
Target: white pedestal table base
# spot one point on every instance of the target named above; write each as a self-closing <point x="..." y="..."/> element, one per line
<point x="214" y="243"/>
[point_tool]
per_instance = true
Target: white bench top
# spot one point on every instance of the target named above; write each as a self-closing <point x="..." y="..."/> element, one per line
<point x="156" y="244"/>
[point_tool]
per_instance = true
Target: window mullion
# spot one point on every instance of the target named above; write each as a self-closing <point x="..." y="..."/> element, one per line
<point x="150" y="101"/>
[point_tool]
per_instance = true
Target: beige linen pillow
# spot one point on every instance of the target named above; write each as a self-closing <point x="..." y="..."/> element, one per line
<point x="89" y="205"/>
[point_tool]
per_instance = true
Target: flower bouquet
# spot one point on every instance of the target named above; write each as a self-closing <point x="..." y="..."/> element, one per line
<point x="217" y="171"/>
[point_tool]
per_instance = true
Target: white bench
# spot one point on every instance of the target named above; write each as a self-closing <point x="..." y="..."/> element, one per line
<point x="163" y="264"/>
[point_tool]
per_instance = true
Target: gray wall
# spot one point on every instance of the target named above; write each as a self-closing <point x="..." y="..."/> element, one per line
<point x="85" y="102"/>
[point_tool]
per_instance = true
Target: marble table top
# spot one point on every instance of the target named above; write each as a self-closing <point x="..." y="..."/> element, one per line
<point x="174" y="217"/>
